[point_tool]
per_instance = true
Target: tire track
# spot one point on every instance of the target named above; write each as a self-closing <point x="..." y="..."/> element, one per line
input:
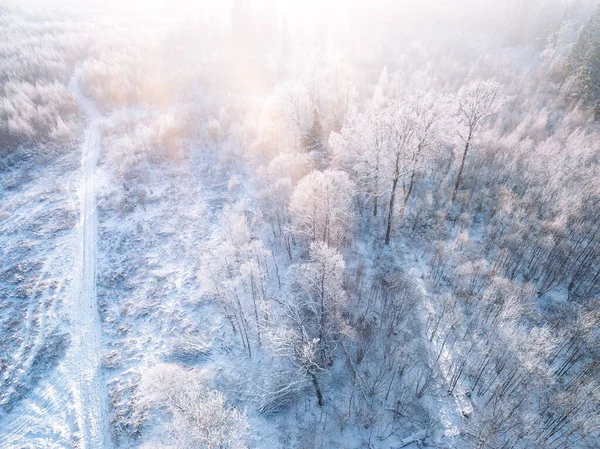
<point x="83" y="359"/>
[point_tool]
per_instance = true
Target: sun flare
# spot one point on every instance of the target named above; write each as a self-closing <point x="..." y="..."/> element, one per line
<point x="299" y="224"/>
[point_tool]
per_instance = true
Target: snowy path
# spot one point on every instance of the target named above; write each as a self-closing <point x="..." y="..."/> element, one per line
<point x="83" y="359"/>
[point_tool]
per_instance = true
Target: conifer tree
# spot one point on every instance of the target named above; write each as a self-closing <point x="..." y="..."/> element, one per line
<point x="584" y="63"/>
<point x="313" y="139"/>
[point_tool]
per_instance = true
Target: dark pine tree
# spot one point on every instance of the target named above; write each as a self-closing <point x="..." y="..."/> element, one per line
<point x="584" y="63"/>
<point x="313" y="138"/>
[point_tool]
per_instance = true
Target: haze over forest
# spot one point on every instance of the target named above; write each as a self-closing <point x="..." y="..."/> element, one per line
<point x="259" y="224"/>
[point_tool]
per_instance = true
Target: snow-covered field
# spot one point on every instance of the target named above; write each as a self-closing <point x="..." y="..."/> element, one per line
<point x="83" y="358"/>
<point x="148" y="256"/>
<point x="39" y="259"/>
<point x="109" y="290"/>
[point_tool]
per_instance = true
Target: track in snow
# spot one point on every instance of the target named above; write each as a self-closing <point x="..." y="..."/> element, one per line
<point x="83" y="358"/>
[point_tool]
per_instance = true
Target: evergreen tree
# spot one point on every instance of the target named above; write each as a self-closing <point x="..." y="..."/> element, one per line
<point x="313" y="138"/>
<point x="584" y="63"/>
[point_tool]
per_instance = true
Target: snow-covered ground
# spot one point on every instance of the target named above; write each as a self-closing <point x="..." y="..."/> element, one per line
<point x="114" y="291"/>
<point x="39" y="237"/>
<point x="83" y="359"/>
<point x="148" y="256"/>
<point x="67" y="407"/>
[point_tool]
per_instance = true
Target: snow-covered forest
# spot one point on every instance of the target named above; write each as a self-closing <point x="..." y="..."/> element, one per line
<point x="260" y="224"/>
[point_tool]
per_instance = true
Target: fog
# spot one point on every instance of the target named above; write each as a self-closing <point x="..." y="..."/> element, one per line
<point x="259" y="224"/>
<point x="428" y="13"/>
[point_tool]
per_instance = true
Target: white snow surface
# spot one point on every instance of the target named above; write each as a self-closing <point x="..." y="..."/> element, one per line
<point x="68" y="407"/>
<point x="84" y="356"/>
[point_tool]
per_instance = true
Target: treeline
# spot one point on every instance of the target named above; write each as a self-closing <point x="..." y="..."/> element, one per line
<point x="38" y="52"/>
<point x="584" y="64"/>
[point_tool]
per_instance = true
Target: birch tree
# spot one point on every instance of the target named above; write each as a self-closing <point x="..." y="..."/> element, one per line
<point x="476" y="102"/>
<point x="311" y="315"/>
<point x="402" y="128"/>
<point x="359" y="148"/>
<point x="322" y="207"/>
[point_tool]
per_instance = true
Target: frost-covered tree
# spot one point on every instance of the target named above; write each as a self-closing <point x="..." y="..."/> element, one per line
<point x="385" y="147"/>
<point x="402" y="129"/>
<point x="427" y="111"/>
<point x="476" y="102"/>
<point x="313" y="137"/>
<point x="291" y="340"/>
<point x="41" y="114"/>
<point x="312" y="315"/>
<point x="322" y="207"/>
<point x="293" y="105"/>
<point x="360" y="148"/>
<point x="235" y="273"/>
<point x="278" y="179"/>
<point x="322" y="280"/>
<point x="584" y="62"/>
<point x="200" y="417"/>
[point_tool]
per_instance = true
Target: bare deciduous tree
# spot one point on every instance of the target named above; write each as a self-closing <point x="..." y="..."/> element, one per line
<point x="476" y="102"/>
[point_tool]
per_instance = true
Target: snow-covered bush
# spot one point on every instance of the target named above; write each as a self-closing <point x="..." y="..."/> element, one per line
<point x="201" y="418"/>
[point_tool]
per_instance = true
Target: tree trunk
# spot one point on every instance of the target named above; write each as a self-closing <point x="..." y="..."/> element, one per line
<point x="388" y="231"/>
<point x="410" y="188"/>
<point x="376" y="195"/>
<point x="315" y="383"/>
<point x="322" y="321"/>
<point x="254" y="293"/>
<point x="460" y="170"/>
